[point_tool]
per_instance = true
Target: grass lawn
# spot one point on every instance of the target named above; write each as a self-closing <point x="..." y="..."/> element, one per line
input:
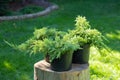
<point x="103" y="15"/>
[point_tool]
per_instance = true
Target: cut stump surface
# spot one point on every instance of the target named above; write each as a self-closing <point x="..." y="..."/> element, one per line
<point x="42" y="71"/>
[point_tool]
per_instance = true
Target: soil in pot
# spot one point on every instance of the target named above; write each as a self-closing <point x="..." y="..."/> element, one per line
<point x="47" y="58"/>
<point x="64" y="63"/>
<point x="81" y="56"/>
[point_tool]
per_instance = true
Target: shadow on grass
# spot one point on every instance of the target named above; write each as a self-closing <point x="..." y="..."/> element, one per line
<point x="114" y="39"/>
<point x="9" y="71"/>
<point x="17" y="66"/>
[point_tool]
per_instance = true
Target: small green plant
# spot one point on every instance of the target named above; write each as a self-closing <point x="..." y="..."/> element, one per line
<point x="56" y="48"/>
<point x="50" y="42"/>
<point x="41" y="34"/>
<point x="82" y="23"/>
<point x="85" y="34"/>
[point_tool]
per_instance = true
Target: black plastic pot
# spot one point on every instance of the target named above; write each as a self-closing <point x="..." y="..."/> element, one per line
<point x="63" y="63"/>
<point x="81" y="56"/>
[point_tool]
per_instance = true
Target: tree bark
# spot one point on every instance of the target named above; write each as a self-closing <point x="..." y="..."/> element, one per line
<point x="42" y="71"/>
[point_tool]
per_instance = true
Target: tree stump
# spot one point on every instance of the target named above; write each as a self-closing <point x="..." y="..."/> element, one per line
<point x="42" y="71"/>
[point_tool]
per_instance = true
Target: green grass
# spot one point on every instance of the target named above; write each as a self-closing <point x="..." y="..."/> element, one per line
<point x="103" y="15"/>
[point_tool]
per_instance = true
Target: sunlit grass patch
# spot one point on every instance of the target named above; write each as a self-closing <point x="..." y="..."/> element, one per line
<point x="115" y="35"/>
<point x="104" y="67"/>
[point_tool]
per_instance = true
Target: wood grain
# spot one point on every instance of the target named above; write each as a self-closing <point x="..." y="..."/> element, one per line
<point x="42" y="71"/>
